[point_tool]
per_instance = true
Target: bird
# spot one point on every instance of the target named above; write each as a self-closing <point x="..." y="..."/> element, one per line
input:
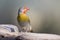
<point x="24" y="20"/>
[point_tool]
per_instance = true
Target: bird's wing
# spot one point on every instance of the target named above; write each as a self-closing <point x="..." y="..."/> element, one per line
<point x="19" y="11"/>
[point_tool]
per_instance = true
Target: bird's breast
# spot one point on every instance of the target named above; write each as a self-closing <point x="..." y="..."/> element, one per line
<point x="23" y="17"/>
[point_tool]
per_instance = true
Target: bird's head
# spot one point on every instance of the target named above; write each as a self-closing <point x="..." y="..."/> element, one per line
<point x="24" y="10"/>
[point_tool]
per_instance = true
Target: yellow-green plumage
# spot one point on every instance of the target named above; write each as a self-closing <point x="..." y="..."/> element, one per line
<point x="23" y="18"/>
<point x="24" y="22"/>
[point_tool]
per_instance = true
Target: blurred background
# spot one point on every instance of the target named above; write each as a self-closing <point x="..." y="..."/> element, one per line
<point x="44" y="14"/>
